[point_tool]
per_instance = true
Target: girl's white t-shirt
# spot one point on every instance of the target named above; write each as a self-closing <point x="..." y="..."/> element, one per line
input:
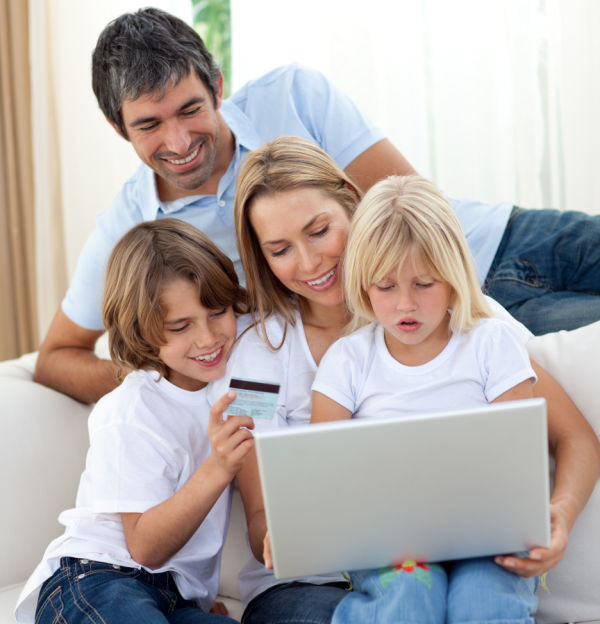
<point x="293" y="367"/>
<point x="147" y="438"/>
<point x="474" y="368"/>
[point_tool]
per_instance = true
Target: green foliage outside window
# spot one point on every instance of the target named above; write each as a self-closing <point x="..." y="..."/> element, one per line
<point x="212" y="21"/>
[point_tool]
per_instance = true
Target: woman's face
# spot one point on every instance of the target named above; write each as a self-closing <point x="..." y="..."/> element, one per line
<point x="302" y="233"/>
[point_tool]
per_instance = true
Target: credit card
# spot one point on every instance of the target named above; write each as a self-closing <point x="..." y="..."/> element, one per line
<point x="256" y="399"/>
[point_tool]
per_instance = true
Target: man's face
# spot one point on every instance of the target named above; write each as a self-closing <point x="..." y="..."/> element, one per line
<point x="177" y="135"/>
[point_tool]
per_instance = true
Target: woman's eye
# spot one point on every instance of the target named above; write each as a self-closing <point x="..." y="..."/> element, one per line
<point x="424" y="284"/>
<point x="178" y="329"/>
<point x="322" y="231"/>
<point x="279" y="252"/>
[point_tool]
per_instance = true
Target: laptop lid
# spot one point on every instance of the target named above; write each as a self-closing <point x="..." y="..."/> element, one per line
<point x="367" y="493"/>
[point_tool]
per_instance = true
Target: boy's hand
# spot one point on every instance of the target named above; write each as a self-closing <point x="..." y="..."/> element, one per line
<point x="541" y="560"/>
<point x="230" y="439"/>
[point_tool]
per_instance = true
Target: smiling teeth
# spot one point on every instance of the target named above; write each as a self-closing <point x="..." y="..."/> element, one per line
<point x="208" y="358"/>
<point x="183" y="161"/>
<point x="321" y="280"/>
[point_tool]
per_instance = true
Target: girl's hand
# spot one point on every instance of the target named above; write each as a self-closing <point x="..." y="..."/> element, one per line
<point x="541" y="560"/>
<point x="230" y="439"/>
<point x="267" y="552"/>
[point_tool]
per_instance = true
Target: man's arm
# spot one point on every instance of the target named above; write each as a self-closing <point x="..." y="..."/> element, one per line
<point x="66" y="362"/>
<point x="379" y="161"/>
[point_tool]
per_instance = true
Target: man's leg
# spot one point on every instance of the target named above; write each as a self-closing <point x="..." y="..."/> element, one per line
<point x="546" y="271"/>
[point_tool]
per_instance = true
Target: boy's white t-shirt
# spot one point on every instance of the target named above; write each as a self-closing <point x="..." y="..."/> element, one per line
<point x="147" y="438"/>
<point x="474" y="368"/>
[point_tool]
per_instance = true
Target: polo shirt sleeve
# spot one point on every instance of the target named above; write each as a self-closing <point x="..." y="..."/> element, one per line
<point x="83" y="300"/>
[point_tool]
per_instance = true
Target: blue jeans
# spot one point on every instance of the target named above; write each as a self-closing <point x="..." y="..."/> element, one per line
<point x="295" y="603"/>
<point x="466" y="592"/>
<point x="546" y="271"/>
<point x="84" y="591"/>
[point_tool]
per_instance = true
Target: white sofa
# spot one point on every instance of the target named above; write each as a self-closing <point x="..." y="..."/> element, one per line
<point x="43" y="438"/>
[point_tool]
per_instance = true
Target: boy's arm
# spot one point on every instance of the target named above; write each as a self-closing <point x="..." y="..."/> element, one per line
<point x="67" y="363"/>
<point x="154" y="536"/>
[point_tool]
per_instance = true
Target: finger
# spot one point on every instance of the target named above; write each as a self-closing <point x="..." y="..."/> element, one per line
<point x="219" y="608"/>
<point x="228" y="436"/>
<point x="219" y="406"/>
<point x="267" y="552"/>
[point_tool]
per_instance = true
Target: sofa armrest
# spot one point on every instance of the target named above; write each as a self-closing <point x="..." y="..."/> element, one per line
<point x="43" y="443"/>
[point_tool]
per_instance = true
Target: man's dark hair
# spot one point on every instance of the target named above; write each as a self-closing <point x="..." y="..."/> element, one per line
<point x="142" y="52"/>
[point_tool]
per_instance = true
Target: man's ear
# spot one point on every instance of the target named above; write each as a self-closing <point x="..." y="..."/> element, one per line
<point x="117" y="129"/>
<point x="219" y="90"/>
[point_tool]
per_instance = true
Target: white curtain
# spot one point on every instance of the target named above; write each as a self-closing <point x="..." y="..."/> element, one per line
<point x="492" y="99"/>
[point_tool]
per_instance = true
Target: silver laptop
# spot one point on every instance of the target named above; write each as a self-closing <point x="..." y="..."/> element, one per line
<point x="367" y="493"/>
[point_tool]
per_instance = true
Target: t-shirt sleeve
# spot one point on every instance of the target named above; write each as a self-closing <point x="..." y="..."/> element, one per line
<point x="334" y="120"/>
<point x="129" y="468"/>
<point x="505" y="361"/>
<point x="337" y="375"/>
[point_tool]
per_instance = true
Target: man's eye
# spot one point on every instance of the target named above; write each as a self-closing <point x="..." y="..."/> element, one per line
<point x="191" y="111"/>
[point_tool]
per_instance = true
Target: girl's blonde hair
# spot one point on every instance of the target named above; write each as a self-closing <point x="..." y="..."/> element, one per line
<point x="407" y="215"/>
<point x="143" y="261"/>
<point x="281" y="165"/>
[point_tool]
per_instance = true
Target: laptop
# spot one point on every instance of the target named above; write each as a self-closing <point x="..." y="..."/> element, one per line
<point x="368" y="493"/>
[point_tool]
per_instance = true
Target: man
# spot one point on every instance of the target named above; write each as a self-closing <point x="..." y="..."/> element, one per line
<point x="161" y="90"/>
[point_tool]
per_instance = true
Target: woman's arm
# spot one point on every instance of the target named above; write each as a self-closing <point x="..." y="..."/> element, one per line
<point x="576" y="451"/>
<point x="154" y="536"/>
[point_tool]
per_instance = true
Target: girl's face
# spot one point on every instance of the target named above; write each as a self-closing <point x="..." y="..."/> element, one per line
<point x="199" y="340"/>
<point x="412" y="307"/>
<point x="302" y="233"/>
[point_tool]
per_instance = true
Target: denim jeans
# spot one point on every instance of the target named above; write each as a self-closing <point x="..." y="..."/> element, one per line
<point x="466" y="592"/>
<point x="546" y="271"/>
<point x="84" y="591"/>
<point x="295" y="603"/>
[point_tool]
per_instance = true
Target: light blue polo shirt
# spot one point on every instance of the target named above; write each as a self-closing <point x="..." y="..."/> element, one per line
<point x="290" y="100"/>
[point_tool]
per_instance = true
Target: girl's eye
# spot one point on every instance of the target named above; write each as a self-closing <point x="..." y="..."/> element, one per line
<point x="384" y="286"/>
<point x="219" y="312"/>
<point x="424" y="284"/>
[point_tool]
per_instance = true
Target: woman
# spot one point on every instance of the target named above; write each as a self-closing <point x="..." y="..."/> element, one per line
<point x="292" y="211"/>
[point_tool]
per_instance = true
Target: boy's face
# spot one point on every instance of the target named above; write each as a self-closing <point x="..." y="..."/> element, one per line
<point x="176" y="135"/>
<point x="198" y="340"/>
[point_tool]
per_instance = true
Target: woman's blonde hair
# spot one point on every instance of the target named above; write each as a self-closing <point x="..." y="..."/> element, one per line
<point x="143" y="261"/>
<point x="281" y="165"/>
<point x="407" y="215"/>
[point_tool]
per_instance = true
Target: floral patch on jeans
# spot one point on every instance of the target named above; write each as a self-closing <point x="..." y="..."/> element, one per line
<point x="420" y="572"/>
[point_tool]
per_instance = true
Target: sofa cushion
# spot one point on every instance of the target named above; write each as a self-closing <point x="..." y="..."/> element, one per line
<point x="573" y="358"/>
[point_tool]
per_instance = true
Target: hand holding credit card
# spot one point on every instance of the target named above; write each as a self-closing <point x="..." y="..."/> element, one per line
<point x="256" y="399"/>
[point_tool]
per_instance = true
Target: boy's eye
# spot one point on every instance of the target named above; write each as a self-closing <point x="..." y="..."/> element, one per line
<point x="177" y="329"/>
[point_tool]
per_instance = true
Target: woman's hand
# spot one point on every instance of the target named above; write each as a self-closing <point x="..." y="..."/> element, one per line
<point x="541" y="560"/>
<point x="267" y="553"/>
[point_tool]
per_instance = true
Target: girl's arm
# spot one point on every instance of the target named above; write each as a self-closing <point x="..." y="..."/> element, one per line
<point x="576" y="451"/>
<point x="154" y="536"/>
<point x="325" y="409"/>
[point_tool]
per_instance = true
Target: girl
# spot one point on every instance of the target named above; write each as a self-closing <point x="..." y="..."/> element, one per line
<point x="292" y="213"/>
<point x="144" y="539"/>
<point x="431" y="343"/>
